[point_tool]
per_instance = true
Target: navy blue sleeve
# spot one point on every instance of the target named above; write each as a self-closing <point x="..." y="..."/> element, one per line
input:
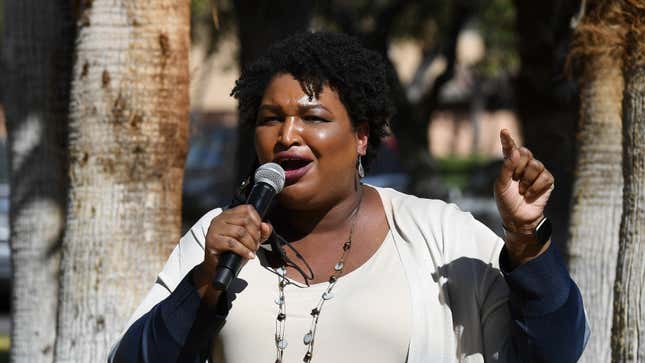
<point x="549" y="323"/>
<point x="178" y="329"/>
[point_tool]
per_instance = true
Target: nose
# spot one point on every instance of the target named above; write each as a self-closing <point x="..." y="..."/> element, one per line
<point x="290" y="132"/>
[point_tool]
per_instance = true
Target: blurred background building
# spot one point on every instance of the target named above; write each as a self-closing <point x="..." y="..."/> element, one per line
<point x="476" y="61"/>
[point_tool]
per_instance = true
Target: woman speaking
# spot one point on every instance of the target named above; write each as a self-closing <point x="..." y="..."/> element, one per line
<point x="341" y="271"/>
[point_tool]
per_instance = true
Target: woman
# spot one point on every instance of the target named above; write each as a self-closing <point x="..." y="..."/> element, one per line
<point x="351" y="272"/>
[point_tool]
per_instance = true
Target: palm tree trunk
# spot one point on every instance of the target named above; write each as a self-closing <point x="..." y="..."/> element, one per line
<point x="128" y="133"/>
<point x="629" y="316"/>
<point x="37" y="55"/>
<point x="597" y="193"/>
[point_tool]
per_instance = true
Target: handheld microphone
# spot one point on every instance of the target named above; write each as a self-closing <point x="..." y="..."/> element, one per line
<point x="268" y="181"/>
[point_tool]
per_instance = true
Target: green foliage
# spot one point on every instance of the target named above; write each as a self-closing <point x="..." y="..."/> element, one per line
<point x="428" y="22"/>
<point x="456" y="170"/>
<point x="497" y="25"/>
<point x="4" y="348"/>
<point x="200" y="8"/>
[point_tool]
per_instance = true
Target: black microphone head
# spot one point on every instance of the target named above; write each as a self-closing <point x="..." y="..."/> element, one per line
<point x="271" y="174"/>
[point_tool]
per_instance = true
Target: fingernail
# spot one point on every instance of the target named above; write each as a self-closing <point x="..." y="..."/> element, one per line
<point x="251" y="255"/>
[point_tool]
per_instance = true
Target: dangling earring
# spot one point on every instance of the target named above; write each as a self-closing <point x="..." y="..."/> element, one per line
<point x="361" y="171"/>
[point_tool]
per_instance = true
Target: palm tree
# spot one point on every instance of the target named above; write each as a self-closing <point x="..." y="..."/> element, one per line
<point x="127" y="140"/>
<point x="629" y="318"/>
<point x="596" y="49"/>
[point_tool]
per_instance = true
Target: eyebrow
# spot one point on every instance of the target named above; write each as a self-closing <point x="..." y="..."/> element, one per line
<point x="278" y="109"/>
<point x="317" y="105"/>
<point x="273" y="108"/>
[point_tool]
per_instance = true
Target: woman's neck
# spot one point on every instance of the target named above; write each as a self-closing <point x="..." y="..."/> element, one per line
<point x="296" y="224"/>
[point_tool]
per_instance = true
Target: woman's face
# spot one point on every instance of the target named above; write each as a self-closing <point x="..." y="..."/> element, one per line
<point x="312" y="139"/>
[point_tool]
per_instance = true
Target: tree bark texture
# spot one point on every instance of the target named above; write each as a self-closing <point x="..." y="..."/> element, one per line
<point x="597" y="193"/>
<point x="128" y="141"/>
<point x="629" y="316"/>
<point x="37" y="56"/>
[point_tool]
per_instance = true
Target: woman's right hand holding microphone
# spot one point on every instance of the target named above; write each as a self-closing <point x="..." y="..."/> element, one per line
<point x="239" y="230"/>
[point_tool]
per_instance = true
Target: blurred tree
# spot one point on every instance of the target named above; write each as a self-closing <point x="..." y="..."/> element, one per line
<point x="629" y="317"/>
<point x="596" y="53"/>
<point x="36" y="57"/>
<point x="546" y="100"/>
<point x="210" y="22"/>
<point x="376" y="24"/>
<point x="260" y="24"/>
<point x="127" y="140"/>
<point x="498" y="23"/>
<point x="434" y="25"/>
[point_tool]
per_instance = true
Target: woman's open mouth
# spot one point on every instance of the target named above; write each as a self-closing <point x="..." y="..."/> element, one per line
<point x="294" y="168"/>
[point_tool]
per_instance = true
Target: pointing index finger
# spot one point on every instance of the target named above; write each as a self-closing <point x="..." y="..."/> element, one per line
<point x="508" y="144"/>
<point x="511" y="158"/>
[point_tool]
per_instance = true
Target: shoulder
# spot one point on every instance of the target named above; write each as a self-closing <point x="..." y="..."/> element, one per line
<point x="402" y="204"/>
<point x="429" y="215"/>
<point x="446" y="228"/>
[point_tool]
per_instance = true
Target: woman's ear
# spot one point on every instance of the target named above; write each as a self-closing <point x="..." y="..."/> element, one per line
<point x="362" y="137"/>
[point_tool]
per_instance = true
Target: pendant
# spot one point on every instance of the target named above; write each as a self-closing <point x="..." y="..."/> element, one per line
<point x="282" y="344"/>
<point x="308" y="338"/>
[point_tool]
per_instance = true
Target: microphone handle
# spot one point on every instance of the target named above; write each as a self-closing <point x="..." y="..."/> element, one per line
<point x="230" y="263"/>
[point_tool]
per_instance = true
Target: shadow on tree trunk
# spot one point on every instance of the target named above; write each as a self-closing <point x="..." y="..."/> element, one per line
<point x="37" y="62"/>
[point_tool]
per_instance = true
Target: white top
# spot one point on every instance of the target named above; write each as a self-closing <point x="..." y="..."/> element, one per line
<point x="458" y="296"/>
<point x="367" y="320"/>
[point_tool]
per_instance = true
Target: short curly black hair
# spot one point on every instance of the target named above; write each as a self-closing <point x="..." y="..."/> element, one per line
<point x="359" y="75"/>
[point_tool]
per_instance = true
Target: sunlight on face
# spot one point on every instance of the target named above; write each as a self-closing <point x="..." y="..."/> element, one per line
<point x="312" y="138"/>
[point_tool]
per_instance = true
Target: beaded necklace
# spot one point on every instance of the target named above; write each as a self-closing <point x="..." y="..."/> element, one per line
<point x="310" y="337"/>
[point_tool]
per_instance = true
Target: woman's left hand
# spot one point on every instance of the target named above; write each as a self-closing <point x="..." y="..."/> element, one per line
<point x="522" y="190"/>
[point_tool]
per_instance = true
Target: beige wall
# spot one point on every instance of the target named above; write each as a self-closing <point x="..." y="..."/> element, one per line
<point x="453" y="134"/>
<point x="213" y="77"/>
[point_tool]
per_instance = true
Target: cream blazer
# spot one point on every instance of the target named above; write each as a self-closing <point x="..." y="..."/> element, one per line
<point x="458" y="294"/>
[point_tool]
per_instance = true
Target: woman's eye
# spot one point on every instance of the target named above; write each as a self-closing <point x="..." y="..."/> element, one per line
<point x="267" y="119"/>
<point x="313" y="118"/>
